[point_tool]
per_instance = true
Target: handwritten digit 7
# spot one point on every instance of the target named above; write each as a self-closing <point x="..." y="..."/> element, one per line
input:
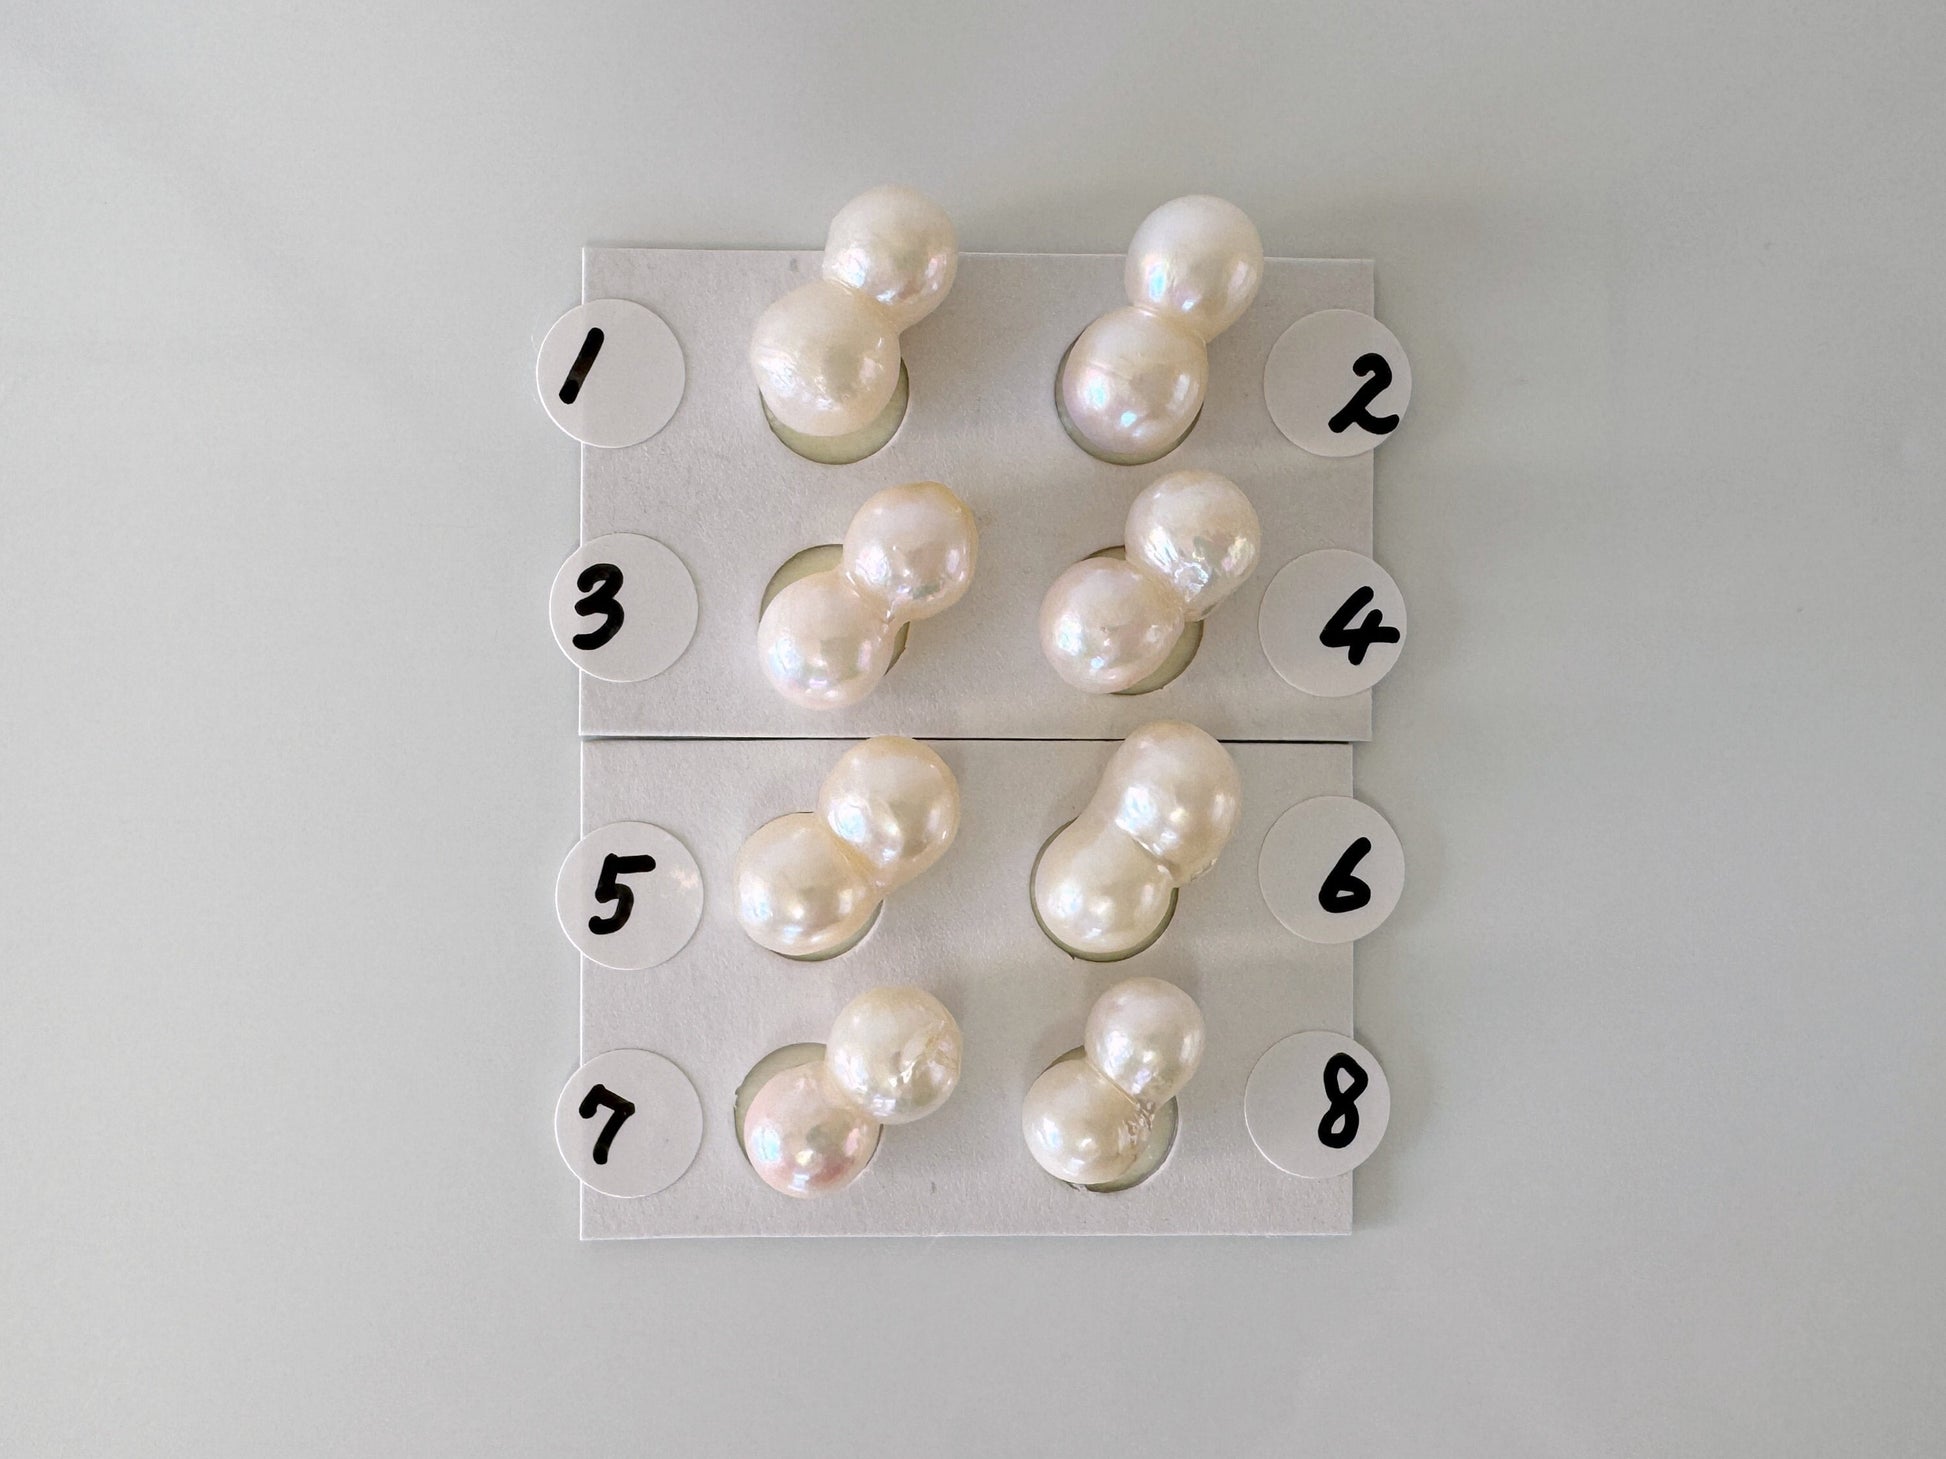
<point x="593" y="1100"/>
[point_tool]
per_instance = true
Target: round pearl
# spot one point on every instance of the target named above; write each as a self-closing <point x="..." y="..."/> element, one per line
<point x="1107" y="625"/>
<point x="1199" y="532"/>
<point x="799" y="890"/>
<point x="803" y="1138"/>
<point x="1197" y="260"/>
<point x="895" y="246"/>
<point x="1098" y="894"/>
<point x="894" y="802"/>
<point x="1133" y="383"/>
<point x="894" y="1053"/>
<point x="821" y="645"/>
<point x="913" y="548"/>
<point x="1146" y="1036"/>
<point x="1079" y="1127"/>
<point x="1175" y="791"/>
<point x="826" y="359"/>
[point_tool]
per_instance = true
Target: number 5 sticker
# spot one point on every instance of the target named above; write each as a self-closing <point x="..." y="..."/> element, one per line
<point x="1332" y="623"/>
<point x="629" y="896"/>
<point x="1331" y="869"/>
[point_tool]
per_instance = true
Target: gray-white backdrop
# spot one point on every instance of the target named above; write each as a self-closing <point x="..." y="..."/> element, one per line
<point x="287" y="757"/>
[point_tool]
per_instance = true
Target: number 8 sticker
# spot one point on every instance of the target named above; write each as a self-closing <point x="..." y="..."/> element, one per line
<point x="1316" y="1104"/>
<point x="1331" y="869"/>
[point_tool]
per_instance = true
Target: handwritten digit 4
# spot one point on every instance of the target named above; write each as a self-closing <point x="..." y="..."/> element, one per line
<point x="1339" y="1127"/>
<point x="1340" y="632"/>
<point x="621" y="1109"/>
<point x="1355" y="411"/>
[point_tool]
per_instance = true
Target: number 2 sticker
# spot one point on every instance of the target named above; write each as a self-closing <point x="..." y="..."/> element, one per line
<point x="629" y="896"/>
<point x="1317" y="1104"/>
<point x="623" y="608"/>
<point x="1332" y="623"/>
<point x="1331" y="869"/>
<point x="1337" y="383"/>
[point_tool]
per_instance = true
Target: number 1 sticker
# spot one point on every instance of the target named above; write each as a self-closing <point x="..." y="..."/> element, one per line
<point x="1332" y="623"/>
<point x="623" y="608"/>
<point x="1317" y="1104"/>
<point x="629" y="896"/>
<point x="1331" y="869"/>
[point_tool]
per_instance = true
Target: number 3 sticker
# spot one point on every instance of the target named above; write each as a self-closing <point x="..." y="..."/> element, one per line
<point x="1317" y="1104"/>
<point x="1331" y="869"/>
<point x="1332" y="623"/>
<point x="623" y="608"/>
<point x="629" y="896"/>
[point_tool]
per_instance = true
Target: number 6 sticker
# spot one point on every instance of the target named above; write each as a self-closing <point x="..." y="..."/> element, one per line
<point x="629" y="896"/>
<point x="623" y="608"/>
<point x="1331" y="869"/>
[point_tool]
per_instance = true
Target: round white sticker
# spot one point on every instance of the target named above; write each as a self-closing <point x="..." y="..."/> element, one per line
<point x="628" y="1123"/>
<point x="1332" y="623"/>
<point x="1331" y="869"/>
<point x="629" y="896"/>
<point x="1317" y="1104"/>
<point x="1337" y="383"/>
<point x="623" y="608"/>
<point x="610" y="373"/>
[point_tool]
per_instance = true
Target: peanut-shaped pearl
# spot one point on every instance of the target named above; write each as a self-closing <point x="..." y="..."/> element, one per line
<point x="826" y="355"/>
<point x="1190" y="540"/>
<point x="826" y="640"/>
<point x="807" y="883"/>
<point x="1166" y="804"/>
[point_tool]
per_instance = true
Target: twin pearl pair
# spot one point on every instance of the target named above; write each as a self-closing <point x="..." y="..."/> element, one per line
<point x="894" y="1055"/>
<point x="826" y="355"/>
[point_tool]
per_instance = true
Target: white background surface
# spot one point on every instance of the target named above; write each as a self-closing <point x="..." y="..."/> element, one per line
<point x="287" y="762"/>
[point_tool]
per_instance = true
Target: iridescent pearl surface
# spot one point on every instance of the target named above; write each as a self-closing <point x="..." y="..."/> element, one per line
<point x="1146" y="1036"/>
<point x="1135" y="379"/>
<point x="895" y="804"/>
<point x="1079" y="1127"/>
<point x="826" y="355"/>
<point x="894" y="1053"/>
<point x="800" y="891"/>
<point x="1190" y="540"/>
<point x="803" y="1137"/>
<point x="1165" y="807"/>
<point x="826" y="640"/>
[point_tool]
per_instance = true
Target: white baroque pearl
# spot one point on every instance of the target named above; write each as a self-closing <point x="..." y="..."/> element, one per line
<point x="806" y="884"/>
<point x="1190" y="540"/>
<point x="1197" y="260"/>
<point x="909" y="552"/>
<point x="913" y="549"/>
<point x="894" y="1053"/>
<point x="1165" y="807"/>
<point x="826" y="355"/>
<point x="803" y="1137"/>
<point x="1199" y="533"/>
<point x="1079" y="1127"/>
<point x="826" y="359"/>
<point x="1147" y="1037"/>
<point x="1106" y="625"/>
<point x="1135" y="379"/>
<point x="800" y="891"/>
<point x="894" y="802"/>
<point x="897" y="247"/>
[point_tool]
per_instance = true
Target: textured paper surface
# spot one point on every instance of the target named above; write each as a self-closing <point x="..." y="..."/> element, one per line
<point x="965" y="931"/>
<point x="734" y="502"/>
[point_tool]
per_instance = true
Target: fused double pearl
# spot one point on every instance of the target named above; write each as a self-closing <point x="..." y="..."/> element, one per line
<point x="1192" y="539"/>
<point x="826" y="355"/>
<point x="1088" y="1120"/>
<point x="808" y="882"/>
<point x="1164" y="809"/>
<point x="1135" y="379"/>
<point x="893" y="1057"/>
<point x="826" y="640"/>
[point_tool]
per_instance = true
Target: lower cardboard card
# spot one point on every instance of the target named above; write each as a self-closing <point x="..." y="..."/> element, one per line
<point x="965" y="931"/>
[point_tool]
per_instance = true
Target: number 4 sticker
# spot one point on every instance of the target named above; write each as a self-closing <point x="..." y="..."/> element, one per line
<point x="1332" y="623"/>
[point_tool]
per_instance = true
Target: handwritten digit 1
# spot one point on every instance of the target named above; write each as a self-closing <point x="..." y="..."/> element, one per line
<point x="621" y="1109"/>
<point x="1339" y="1127"/>
<point x="583" y="363"/>
<point x="1355" y="412"/>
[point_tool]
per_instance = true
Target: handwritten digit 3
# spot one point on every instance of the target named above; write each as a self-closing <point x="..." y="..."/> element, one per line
<point x="1339" y="1127"/>
<point x="1355" y="412"/>
<point x="600" y="581"/>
